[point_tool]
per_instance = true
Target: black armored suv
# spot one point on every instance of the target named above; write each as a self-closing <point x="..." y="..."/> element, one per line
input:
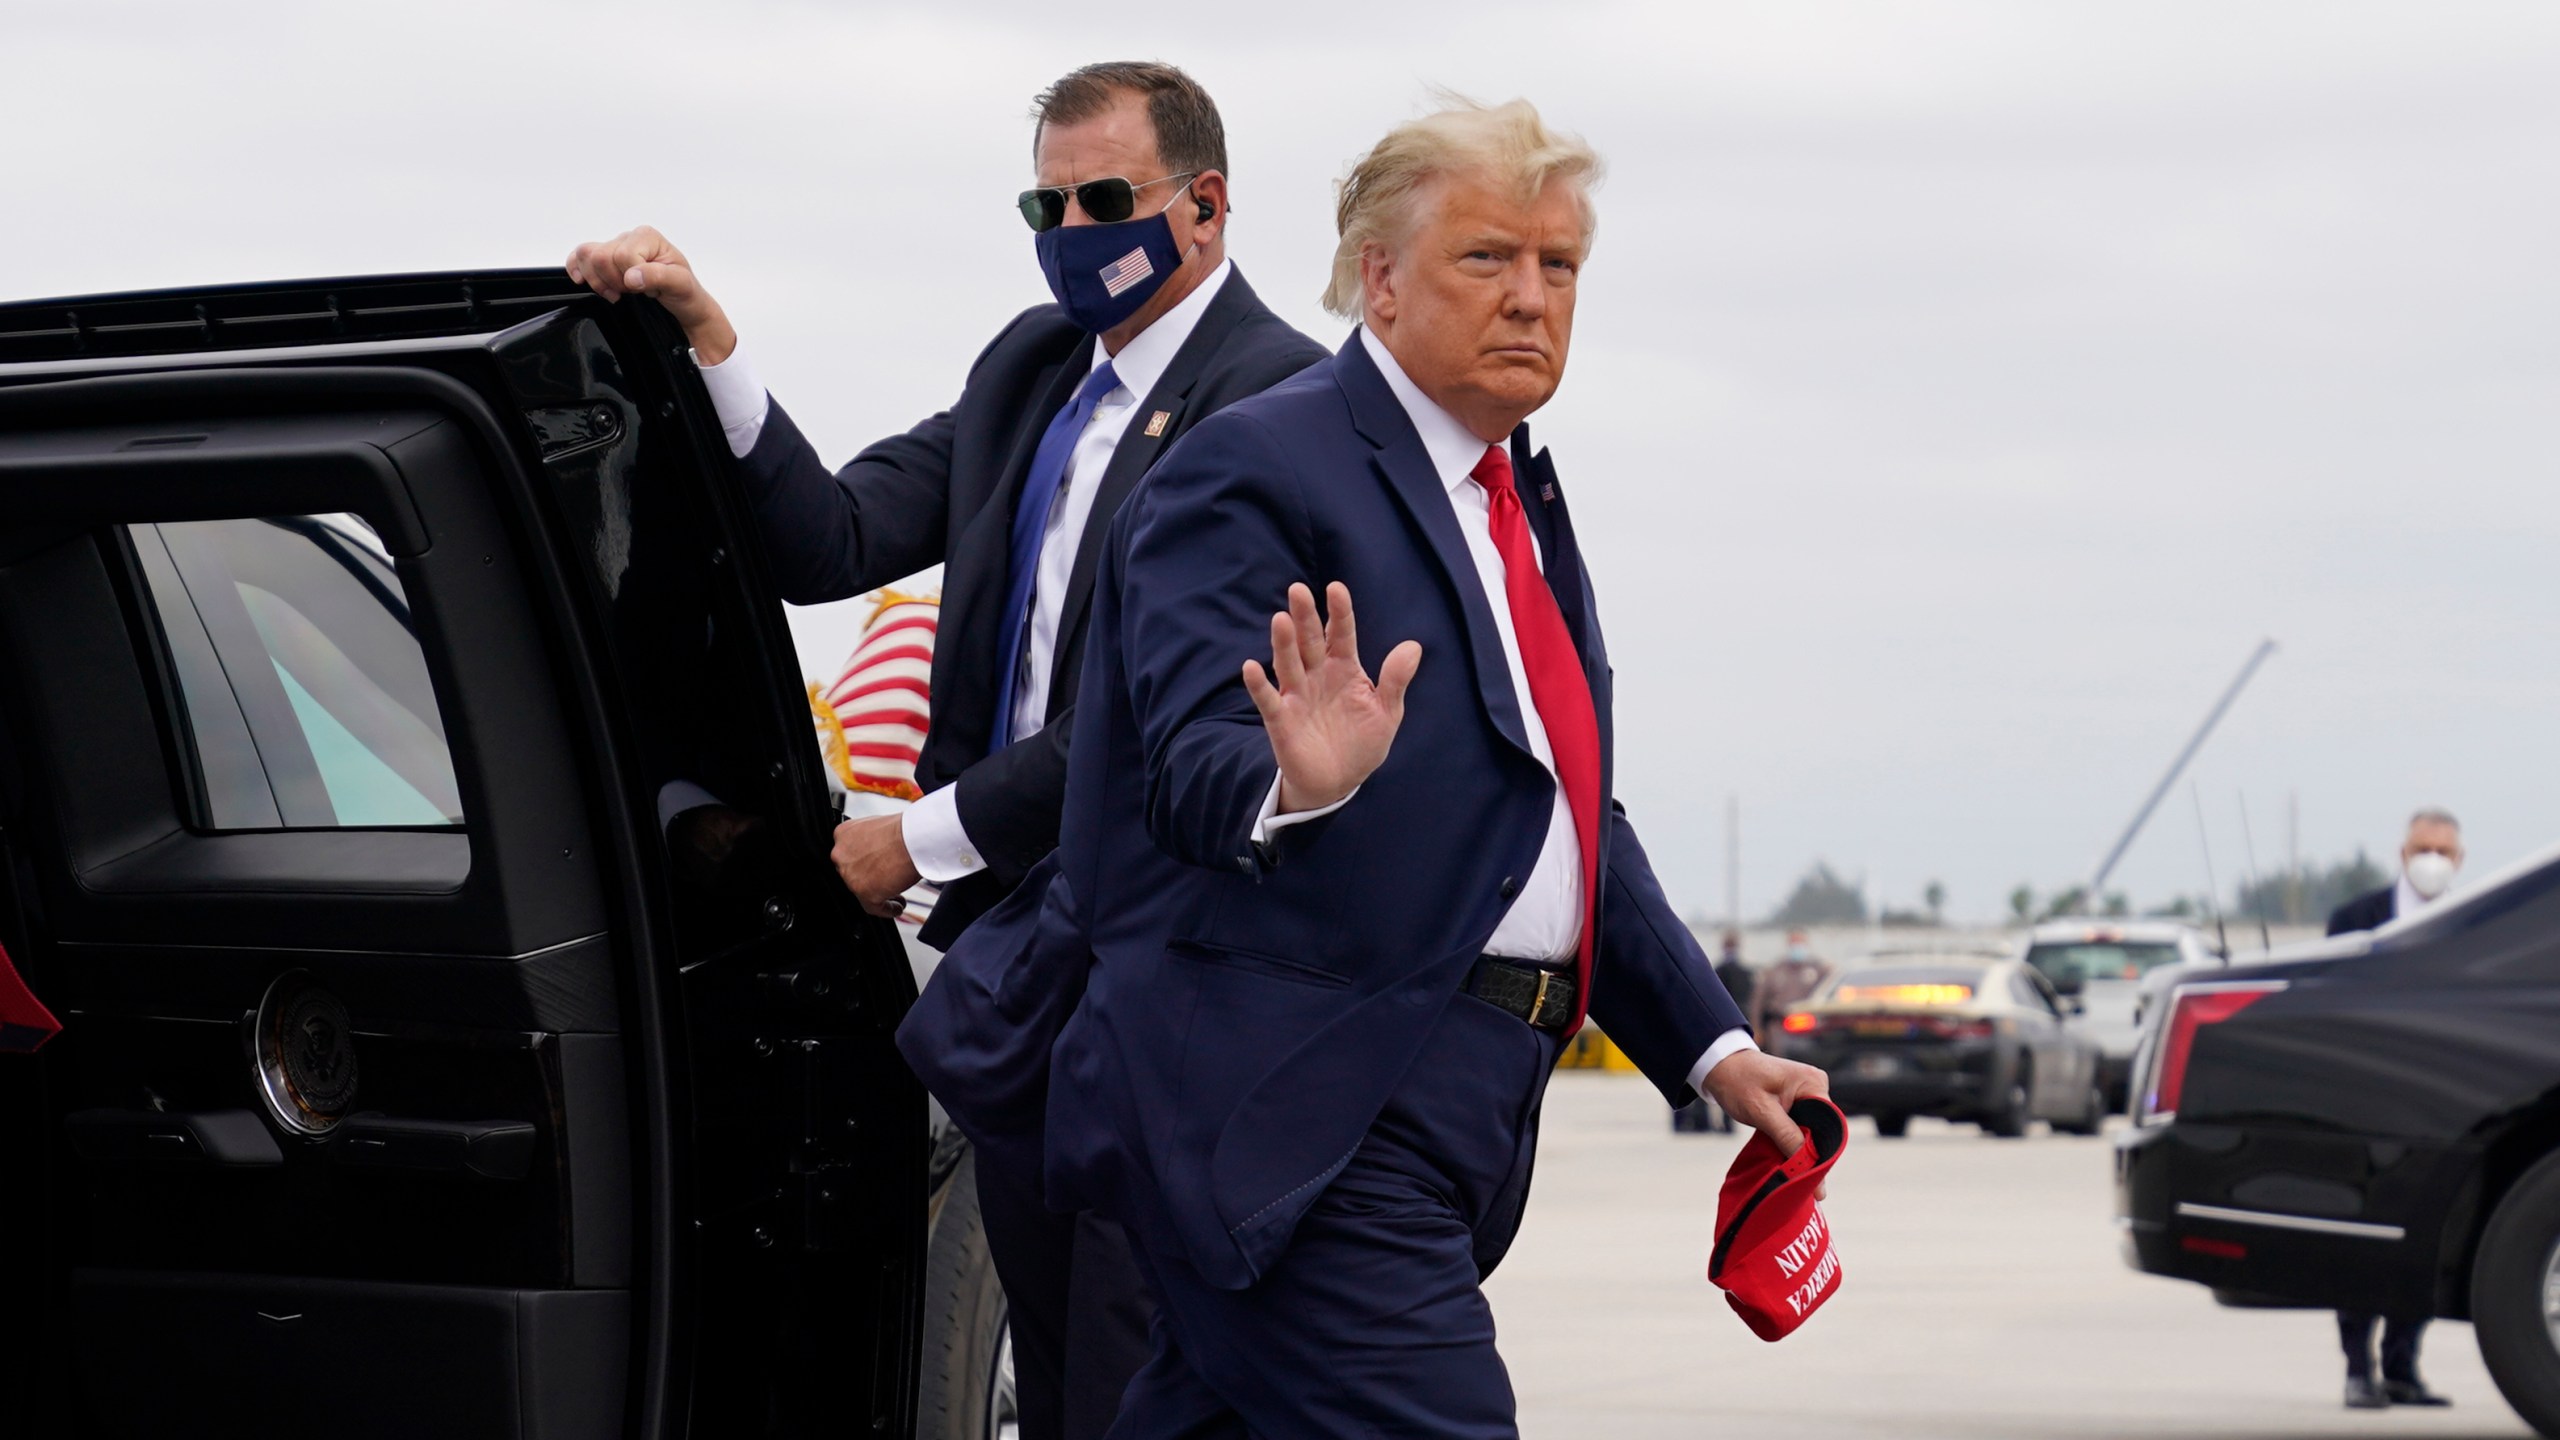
<point x="408" y="804"/>
<point x="2372" y="1124"/>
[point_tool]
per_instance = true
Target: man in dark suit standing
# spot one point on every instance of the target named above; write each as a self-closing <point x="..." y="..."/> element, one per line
<point x="2429" y="856"/>
<point x="1011" y="491"/>
<point x="1337" y="929"/>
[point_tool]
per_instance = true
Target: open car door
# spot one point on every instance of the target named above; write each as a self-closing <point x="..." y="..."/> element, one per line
<point x="407" y="803"/>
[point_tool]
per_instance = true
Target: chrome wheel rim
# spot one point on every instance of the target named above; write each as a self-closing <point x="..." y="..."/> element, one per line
<point x="1004" y="1412"/>
<point x="2551" y="1295"/>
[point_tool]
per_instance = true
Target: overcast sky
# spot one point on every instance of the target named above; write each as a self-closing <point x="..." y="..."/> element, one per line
<point x="1960" y="390"/>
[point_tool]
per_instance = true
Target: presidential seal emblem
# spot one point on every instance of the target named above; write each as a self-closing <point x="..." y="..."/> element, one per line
<point x="305" y="1055"/>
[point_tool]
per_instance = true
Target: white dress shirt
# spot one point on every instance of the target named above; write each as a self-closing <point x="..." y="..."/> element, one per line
<point x="1544" y="922"/>
<point x="936" y="841"/>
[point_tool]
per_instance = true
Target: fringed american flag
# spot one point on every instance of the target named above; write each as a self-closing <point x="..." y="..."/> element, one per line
<point x="1126" y="271"/>
<point x="871" y="720"/>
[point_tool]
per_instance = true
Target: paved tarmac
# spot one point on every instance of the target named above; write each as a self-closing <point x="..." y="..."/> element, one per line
<point x="1983" y="1295"/>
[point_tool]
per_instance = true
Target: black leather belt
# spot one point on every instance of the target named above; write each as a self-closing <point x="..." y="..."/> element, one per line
<point x="1541" y="997"/>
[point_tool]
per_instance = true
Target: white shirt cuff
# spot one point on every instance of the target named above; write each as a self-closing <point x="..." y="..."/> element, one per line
<point x="676" y="797"/>
<point x="935" y="840"/>
<point x="738" y="398"/>
<point x="1271" y="822"/>
<point x="1730" y="1043"/>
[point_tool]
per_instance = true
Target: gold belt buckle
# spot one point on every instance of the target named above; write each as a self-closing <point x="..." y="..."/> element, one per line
<point x="1538" y="1002"/>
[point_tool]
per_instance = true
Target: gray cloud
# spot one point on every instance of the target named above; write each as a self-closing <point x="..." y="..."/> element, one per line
<point x="1961" y="389"/>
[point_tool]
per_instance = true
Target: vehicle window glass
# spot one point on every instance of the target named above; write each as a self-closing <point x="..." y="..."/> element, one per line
<point x="302" y="689"/>
<point x="2036" y="991"/>
<point x="2085" y="961"/>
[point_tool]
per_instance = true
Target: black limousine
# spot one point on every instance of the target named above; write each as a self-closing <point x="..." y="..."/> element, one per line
<point x="2371" y="1123"/>
<point x="408" y="803"/>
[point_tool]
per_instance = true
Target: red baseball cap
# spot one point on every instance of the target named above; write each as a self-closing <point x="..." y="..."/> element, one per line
<point x="1773" y="1256"/>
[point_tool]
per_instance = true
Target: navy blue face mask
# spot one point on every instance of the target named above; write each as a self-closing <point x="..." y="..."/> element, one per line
<point x="1102" y="274"/>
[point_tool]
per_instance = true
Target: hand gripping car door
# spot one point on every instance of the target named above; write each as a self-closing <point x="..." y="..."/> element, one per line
<point x="1773" y="1256"/>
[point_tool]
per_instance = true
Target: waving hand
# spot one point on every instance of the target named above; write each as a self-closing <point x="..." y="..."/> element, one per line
<point x="1330" y="726"/>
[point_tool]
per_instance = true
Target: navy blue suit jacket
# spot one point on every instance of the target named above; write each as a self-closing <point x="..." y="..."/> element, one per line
<point x="2369" y="911"/>
<point x="1238" y="1019"/>
<point x="943" y="493"/>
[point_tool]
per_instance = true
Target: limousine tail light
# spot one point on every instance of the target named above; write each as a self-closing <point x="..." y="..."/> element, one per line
<point x="2193" y="1008"/>
<point x="1799" y="1023"/>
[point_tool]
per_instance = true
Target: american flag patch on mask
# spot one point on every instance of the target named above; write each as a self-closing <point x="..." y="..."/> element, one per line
<point x="1126" y="271"/>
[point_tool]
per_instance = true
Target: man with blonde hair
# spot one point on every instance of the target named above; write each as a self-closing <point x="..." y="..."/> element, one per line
<point x="1337" y="928"/>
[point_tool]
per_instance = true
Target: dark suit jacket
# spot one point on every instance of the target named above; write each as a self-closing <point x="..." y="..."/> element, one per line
<point x="2369" y="911"/>
<point x="944" y="492"/>
<point x="1246" y="1015"/>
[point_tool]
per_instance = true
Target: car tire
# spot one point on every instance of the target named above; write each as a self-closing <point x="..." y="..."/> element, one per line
<point x="2092" y="1118"/>
<point x="1893" y="1127"/>
<point x="2514" y="1278"/>
<point x="2009" y="1122"/>
<point x="964" y="1389"/>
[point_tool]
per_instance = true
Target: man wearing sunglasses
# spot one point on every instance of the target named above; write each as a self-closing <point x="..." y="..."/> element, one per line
<point x="1012" y="490"/>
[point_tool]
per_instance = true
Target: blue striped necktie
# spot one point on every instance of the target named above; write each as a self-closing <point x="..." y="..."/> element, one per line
<point x="1030" y="523"/>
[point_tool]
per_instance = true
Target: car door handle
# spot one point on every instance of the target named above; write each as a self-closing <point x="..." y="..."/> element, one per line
<point x="489" y="1149"/>
<point x="173" y="1139"/>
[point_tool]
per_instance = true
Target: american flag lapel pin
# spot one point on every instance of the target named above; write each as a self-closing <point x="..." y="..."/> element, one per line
<point x="1157" y="422"/>
<point x="1547" y="492"/>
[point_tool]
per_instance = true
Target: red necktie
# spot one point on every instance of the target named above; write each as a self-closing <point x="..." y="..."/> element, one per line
<point x="1557" y="686"/>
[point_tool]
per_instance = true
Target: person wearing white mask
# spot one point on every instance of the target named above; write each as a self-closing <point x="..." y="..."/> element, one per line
<point x="2429" y="857"/>
<point x="1791" y="981"/>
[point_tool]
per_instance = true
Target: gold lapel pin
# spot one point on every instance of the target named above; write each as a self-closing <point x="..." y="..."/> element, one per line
<point x="1157" y="422"/>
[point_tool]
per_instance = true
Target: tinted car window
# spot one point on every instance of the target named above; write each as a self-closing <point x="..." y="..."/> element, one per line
<point x="302" y="691"/>
<point x="2038" y="991"/>
<point x="2100" y="960"/>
